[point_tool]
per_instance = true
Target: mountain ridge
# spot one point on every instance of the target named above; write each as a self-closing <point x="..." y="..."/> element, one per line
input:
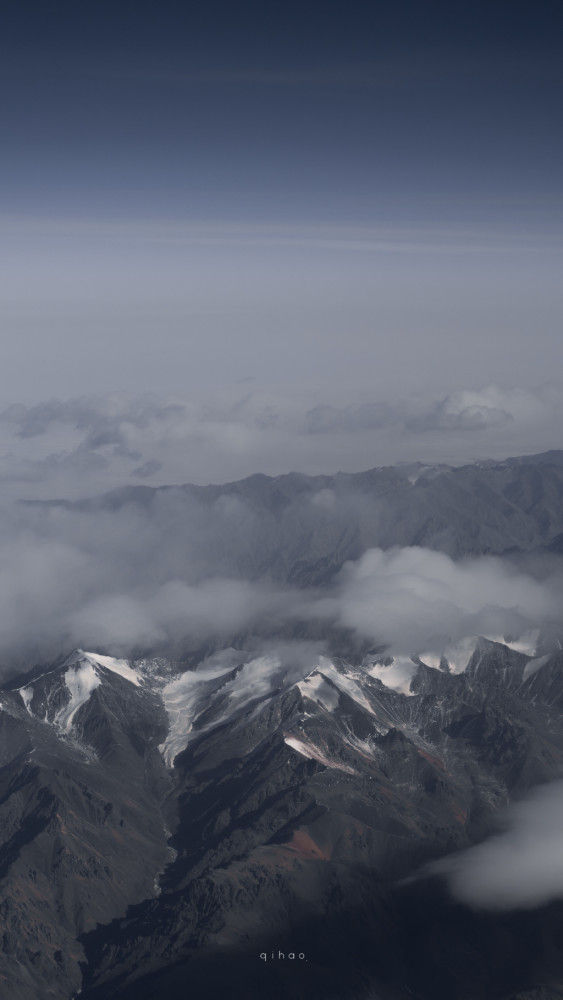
<point x="279" y="799"/>
<point x="301" y="530"/>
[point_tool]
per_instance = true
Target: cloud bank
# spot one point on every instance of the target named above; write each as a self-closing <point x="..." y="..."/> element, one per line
<point x="165" y="568"/>
<point x="415" y="599"/>
<point x="86" y="445"/>
<point x="520" y="868"/>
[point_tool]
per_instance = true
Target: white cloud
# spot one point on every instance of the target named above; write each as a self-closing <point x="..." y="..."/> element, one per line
<point x="415" y="599"/>
<point x="173" y="569"/>
<point x="144" y="573"/>
<point x="82" y="446"/>
<point x="521" y="867"/>
<point x="479" y="409"/>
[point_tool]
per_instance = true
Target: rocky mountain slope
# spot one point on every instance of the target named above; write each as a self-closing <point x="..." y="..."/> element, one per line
<point x="162" y="831"/>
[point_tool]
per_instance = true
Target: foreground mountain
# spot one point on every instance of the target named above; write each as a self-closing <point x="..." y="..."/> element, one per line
<point x="170" y="833"/>
<point x="81" y="838"/>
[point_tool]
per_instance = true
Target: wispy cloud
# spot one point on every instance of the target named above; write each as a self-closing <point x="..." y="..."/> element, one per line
<point x="490" y="406"/>
<point x="414" y="599"/>
<point x="519" y="868"/>
<point x="424" y="238"/>
<point x="146" y="569"/>
<point x="89" y="444"/>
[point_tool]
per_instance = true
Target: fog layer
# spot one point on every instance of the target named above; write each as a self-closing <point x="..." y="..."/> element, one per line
<point x="131" y="576"/>
<point x="77" y="447"/>
<point x="522" y="867"/>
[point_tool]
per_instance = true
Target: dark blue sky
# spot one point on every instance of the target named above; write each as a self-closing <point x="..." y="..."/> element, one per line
<point x="326" y="111"/>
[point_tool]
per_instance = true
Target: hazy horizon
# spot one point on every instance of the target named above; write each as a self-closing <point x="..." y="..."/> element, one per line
<point x="236" y="241"/>
<point x="327" y="239"/>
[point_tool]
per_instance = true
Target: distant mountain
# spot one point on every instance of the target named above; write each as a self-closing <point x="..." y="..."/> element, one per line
<point x="300" y="529"/>
<point x="162" y="830"/>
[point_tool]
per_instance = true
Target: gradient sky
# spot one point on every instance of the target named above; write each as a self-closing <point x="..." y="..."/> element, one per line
<point x="353" y="202"/>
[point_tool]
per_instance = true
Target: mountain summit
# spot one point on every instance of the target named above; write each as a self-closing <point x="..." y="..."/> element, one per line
<point x="158" y="819"/>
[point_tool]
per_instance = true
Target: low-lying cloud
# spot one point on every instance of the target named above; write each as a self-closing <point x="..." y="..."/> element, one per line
<point x="415" y="599"/>
<point x="82" y="446"/>
<point x="216" y="608"/>
<point x="146" y="570"/>
<point x="520" y="868"/>
<point x="149" y="567"/>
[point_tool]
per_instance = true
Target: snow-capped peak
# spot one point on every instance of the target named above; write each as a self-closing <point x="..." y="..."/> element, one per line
<point x="81" y="679"/>
<point x="120" y="667"/>
<point x="56" y="695"/>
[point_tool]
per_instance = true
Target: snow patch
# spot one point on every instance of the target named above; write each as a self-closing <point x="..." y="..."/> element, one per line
<point x="457" y="654"/>
<point x="81" y="681"/>
<point x="309" y="750"/>
<point x="344" y="683"/>
<point x="220" y="688"/>
<point x="120" y="667"/>
<point x="27" y="696"/>
<point x="81" y="677"/>
<point x="316" y="688"/>
<point x="534" y="665"/>
<point x="184" y="698"/>
<point x="398" y="675"/>
<point x="525" y="643"/>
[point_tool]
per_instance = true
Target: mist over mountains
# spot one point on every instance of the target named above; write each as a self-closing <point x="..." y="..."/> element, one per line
<point x="82" y="446"/>
<point x="286" y="715"/>
<point x="409" y="555"/>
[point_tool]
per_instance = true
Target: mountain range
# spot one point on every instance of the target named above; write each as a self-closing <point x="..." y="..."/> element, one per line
<point x="232" y="821"/>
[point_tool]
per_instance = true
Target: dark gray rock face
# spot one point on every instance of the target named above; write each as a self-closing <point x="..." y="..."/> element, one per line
<point x="295" y="820"/>
<point x="81" y="832"/>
